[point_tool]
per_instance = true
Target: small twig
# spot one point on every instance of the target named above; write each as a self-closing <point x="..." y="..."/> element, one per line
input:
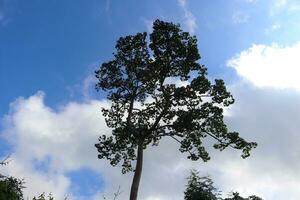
<point x="228" y="144"/>
<point x="117" y="193"/>
<point x="5" y="161"/>
<point x="180" y="143"/>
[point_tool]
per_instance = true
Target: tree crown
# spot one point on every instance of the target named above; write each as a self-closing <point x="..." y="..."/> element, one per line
<point x="146" y="103"/>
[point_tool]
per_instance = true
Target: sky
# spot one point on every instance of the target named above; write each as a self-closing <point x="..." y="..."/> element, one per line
<point x="50" y="114"/>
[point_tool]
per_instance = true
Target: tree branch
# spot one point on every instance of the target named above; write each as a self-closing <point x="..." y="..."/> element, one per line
<point x="158" y="119"/>
<point x="5" y="161"/>
<point x="163" y="111"/>
<point x="130" y="111"/>
<point x="216" y="138"/>
<point x="180" y="143"/>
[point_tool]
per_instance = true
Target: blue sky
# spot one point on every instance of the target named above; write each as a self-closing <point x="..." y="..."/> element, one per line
<point x="50" y="49"/>
<point x="53" y="45"/>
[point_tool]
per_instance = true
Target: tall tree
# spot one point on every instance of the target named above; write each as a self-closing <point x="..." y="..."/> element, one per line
<point x="146" y="105"/>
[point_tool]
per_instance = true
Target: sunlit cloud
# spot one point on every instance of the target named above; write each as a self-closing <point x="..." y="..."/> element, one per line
<point x="269" y="66"/>
<point x="60" y="140"/>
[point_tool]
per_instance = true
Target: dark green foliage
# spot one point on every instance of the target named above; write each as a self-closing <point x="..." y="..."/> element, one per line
<point x="42" y="197"/>
<point x="201" y="188"/>
<point x="145" y="107"/>
<point x="11" y="188"/>
<point x="236" y="196"/>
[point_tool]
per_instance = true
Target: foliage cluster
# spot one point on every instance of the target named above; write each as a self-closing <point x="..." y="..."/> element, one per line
<point x="11" y="188"/>
<point x="201" y="188"/>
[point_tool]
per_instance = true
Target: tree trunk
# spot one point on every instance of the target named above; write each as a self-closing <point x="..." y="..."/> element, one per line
<point x="137" y="173"/>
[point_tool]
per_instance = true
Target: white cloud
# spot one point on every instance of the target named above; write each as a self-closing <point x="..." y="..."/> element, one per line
<point x="66" y="136"/>
<point x="189" y="19"/>
<point x="37" y="182"/>
<point x="270" y="117"/>
<point x="176" y="81"/>
<point x="269" y="66"/>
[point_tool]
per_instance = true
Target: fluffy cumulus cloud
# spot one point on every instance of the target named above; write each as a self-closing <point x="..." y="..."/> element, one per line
<point x="267" y="108"/>
<point x="48" y="143"/>
<point x="270" y="117"/>
<point x="269" y="66"/>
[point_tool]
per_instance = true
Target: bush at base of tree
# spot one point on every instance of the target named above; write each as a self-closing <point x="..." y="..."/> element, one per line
<point x="201" y="188"/>
<point x="42" y="197"/>
<point x="236" y="196"/>
<point x="11" y="188"/>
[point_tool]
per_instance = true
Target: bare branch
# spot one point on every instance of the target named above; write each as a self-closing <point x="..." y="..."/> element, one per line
<point x="218" y="139"/>
<point x="130" y="111"/>
<point x="5" y="161"/>
<point x="179" y="143"/>
<point x="117" y="193"/>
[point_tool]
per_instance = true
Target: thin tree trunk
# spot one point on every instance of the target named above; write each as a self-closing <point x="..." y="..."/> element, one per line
<point x="137" y="173"/>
